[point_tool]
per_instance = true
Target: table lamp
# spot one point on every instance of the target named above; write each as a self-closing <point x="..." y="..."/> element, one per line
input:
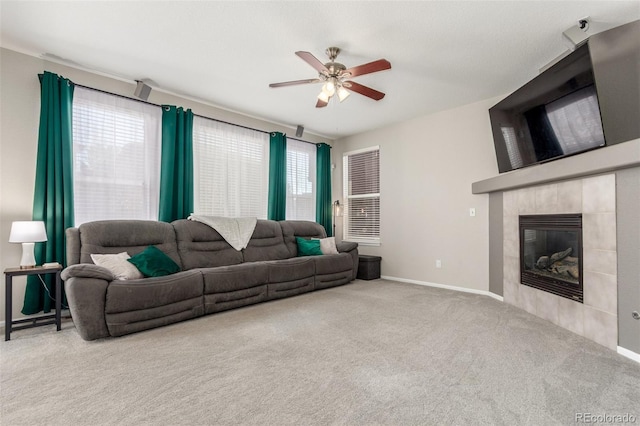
<point x="28" y="233"/>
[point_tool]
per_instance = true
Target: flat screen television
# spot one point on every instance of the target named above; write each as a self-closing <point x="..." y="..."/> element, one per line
<point x="554" y="115"/>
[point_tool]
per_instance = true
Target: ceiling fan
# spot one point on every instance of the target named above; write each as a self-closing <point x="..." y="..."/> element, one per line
<point x="335" y="77"/>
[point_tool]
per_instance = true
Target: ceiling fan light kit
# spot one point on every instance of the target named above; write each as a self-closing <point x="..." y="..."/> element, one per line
<point x="323" y="96"/>
<point x="330" y="86"/>
<point x="343" y="93"/>
<point x="334" y="75"/>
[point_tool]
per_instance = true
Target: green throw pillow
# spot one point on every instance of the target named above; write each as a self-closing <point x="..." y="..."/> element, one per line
<point x="308" y="247"/>
<point x="152" y="262"/>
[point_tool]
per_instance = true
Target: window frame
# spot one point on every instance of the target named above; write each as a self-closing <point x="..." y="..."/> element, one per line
<point x="346" y="235"/>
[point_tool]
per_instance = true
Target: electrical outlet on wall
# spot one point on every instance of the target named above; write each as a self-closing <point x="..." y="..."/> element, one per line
<point x="438" y="263"/>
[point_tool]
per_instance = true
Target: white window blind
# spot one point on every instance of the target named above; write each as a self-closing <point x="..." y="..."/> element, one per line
<point x="361" y="174"/>
<point x="231" y="168"/>
<point x="301" y="181"/>
<point x="116" y="150"/>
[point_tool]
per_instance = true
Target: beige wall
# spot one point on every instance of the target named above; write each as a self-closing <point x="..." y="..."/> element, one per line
<point x="19" y="115"/>
<point x="19" y="119"/>
<point x="427" y="166"/>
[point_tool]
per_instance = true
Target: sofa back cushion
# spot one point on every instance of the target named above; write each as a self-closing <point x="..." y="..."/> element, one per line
<point x="300" y="228"/>
<point x="267" y="243"/>
<point x="117" y="236"/>
<point x="201" y="246"/>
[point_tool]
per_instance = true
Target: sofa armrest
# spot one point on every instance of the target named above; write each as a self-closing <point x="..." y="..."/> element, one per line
<point x="86" y="289"/>
<point x="346" y="246"/>
<point x="352" y="249"/>
<point x="86" y="270"/>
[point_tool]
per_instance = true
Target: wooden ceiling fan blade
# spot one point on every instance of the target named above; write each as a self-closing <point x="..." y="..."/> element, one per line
<point x="364" y="90"/>
<point x="295" y="82"/>
<point x="313" y="61"/>
<point x="321" y="104"/>
<point x="375" y="66"/>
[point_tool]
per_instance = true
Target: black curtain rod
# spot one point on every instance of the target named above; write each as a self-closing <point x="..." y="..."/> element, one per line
<point x="197" y="115"/>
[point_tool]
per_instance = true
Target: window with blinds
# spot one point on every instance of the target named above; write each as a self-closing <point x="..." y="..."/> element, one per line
<point x="361" y="174"/>
<point x="301" y="181"/>
<point x="231" y="169"/>
<point x="116" y="151"/>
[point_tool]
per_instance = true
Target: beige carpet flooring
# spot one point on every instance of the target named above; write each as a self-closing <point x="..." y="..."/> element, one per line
<point x="368" y="353"/>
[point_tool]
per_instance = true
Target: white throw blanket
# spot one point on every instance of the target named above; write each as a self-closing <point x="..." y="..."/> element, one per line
<point x="236" y="231"/>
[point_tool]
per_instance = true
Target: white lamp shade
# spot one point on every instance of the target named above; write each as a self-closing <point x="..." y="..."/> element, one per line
<point x="323" y="96"/>
<point x="330" y="87"/>
<point x="27" y="232"/>
<point x="343" y="93"/>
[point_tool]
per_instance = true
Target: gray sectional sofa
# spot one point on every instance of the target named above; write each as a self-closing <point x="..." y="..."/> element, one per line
<point x="214" y="276"/>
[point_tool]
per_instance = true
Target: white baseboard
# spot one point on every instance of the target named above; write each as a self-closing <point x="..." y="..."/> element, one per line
<point x="448" y="287"/>
<point x="629" y="354"/>
<point x="495" y="296"/>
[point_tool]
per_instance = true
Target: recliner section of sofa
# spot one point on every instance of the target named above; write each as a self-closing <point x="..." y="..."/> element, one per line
<point x="292" y="276"/>
<point x="214" y="278"/>
<point x="330" y="272"/>
<point x="136" y="305"/>
<point x="229" y="287"/>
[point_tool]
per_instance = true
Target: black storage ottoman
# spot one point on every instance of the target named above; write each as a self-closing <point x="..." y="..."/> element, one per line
<point x="368" y="267"/>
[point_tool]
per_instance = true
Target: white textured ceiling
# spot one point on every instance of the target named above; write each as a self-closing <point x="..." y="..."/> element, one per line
<point x="443" y="54"/>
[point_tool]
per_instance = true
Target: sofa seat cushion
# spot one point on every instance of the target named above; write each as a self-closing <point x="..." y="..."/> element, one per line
<point x="229" y="287"/>
<point x="136" y="305"/>
<point x="291" y="269"/>
<point x="201" y="246"/>
<point x="235" y="277"/>
<point x="331" y="263"/>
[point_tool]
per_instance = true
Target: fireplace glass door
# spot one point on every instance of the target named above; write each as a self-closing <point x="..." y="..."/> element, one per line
<point x="551" y="254"/>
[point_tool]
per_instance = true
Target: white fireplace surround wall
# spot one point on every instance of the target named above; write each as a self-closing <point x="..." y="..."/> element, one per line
<point x="595" y="198"/>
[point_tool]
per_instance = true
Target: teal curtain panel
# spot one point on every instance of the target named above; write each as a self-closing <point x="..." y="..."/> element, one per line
<point x="277" y="176"/>
<point x="53" y="195"/>
<point x="176" y="165"/>
<point x="323" y="188"/>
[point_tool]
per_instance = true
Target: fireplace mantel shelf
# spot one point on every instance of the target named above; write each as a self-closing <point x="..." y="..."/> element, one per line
<point x="611" y="158"/>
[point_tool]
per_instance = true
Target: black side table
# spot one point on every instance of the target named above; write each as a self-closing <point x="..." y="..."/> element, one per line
<point x="30" y="322"/>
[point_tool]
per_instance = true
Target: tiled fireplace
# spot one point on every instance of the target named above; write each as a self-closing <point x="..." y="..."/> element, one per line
<point x="594" y="199"/>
